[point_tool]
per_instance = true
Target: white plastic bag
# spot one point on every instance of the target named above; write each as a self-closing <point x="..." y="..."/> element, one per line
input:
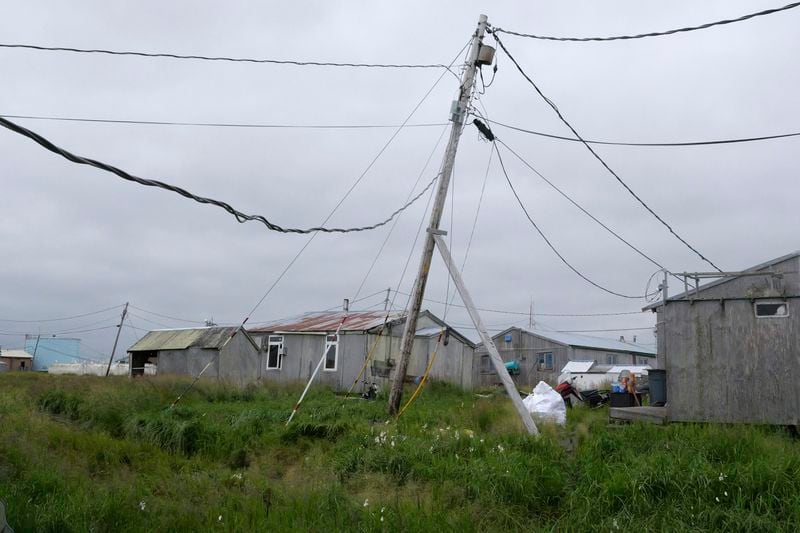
<point x="546" y="405"/>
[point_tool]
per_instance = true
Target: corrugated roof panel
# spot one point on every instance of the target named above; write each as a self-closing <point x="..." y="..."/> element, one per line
<point x="180" y="339"/>
<point x="15" y="354"/>
<point x="600" y="343"/>
<point x="329" y="321"/>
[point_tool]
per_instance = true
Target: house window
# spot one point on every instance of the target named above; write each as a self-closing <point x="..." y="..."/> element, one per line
<point x="486" y="365"/>
<point x="643" y="361"/>
<point x="545" y="360"/>
<point x="331" y="351"/>
<point x="275" y="352"/>
<point x="611" y="359"/>
<point x="772" y="309"/>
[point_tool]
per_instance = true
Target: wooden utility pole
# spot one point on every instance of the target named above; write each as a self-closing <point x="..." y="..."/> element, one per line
<point x="116" y="339"/>
<point x="458" y="114"/>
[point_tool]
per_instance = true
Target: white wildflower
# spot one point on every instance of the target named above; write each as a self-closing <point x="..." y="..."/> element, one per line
<point x="142" y="505"/>
<point x="448" y="428"/>
<point x="238" y="475"/>
<point x="383" y="509"/>
<point x="721" y="476"/>
<point x="726" y="493"/>
<point x="219" y="519"/>
<point x="431" y="449"/>
<point x="425" y="425"/>
<point x="471" y="449"/>
<point x="456" y="457"/>
<point x="457" y="435"/>
<point x="381" y="518"/>
<point x="366" y="502"/>
<point x="615" y="524"/>
<point x="716" y="498"/>
<point x="481" y="441"/>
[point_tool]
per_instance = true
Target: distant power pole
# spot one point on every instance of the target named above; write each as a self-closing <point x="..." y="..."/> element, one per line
<point x="116" y="339"/>
<point x="531" y="322"/>
<point x="387" y="301"/>
<point x="459" y="111"/>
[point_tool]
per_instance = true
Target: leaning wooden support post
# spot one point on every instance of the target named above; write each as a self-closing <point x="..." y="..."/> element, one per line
<point x="494" y="355"/>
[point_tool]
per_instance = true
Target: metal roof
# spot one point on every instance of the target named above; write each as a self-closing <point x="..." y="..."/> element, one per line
<point x="15" y="354"/>
<point x="180" y="339"/>
<point x="328" y="321"/>
<point x="756" y="268"/>
<point x="586" y="341"/>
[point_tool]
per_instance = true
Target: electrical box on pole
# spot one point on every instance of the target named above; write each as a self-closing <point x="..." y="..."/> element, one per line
<point x="457" y="115"/>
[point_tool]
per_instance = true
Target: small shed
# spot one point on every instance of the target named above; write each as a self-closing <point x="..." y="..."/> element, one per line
<point x="229" y="352"/>
<point x="16" y="360"/>
<point x="292" y="348"/>
<point x="540" y="354"/>
<point x="731" y="347"/>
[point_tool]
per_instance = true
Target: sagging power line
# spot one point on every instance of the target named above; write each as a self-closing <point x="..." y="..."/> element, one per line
<point x="600" y="159"/>
<point x="170" y="55"/>
<point x="239" y="215"/>
<point x="549" y="243"/>
<point x="655" y="33"/>
<point x="711" y="142"/>
<point x="245" y="125"/>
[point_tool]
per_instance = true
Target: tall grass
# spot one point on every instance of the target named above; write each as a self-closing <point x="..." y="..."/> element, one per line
<point x="95" y="454"/>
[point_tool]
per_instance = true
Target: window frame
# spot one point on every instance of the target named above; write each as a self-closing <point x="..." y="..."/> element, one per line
<point x="541" y="360"/>
<point x="777" y="302"/>
<point x="613" y="358"/>
<point x="331" y="340"/>
<point x="270" y="343"/>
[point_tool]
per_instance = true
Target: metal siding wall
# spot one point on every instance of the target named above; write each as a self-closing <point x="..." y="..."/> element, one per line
<point x="725" y="365"/>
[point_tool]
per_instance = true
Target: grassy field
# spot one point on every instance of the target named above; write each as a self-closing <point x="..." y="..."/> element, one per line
<point x="95" y="454"/>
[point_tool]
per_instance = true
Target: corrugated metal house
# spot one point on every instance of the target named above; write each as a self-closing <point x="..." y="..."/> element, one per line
<point x="292" y="348"/>
<point x="542" y="354"/>
<point x="187" y="351"/>
<point x="731" y="348"/>
<point x="16" y="360"/>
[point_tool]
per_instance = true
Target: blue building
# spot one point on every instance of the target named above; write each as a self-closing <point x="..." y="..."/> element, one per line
<point x="49" y="350"/>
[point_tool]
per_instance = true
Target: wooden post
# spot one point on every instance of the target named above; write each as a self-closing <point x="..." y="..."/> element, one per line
<point x="458" y="113"/>
<point x="494" y="355"/>
<point x="116" y="339"/>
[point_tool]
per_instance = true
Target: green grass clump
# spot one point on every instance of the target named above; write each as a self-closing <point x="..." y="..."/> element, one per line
<point x="108" y="454"/>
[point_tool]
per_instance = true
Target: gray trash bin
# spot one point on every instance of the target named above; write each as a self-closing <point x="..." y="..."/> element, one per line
<point x="658" y="386"/>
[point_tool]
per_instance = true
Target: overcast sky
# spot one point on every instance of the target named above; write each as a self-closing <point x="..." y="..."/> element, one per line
<point x="76" y="239"/>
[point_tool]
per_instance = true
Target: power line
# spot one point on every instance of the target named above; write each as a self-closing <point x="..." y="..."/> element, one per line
<point x="252" y="125"/>
<point x="240" y="216"/>
<point x="547" y="241"/>
<point x="603" y="330"/>
<point x="582" y="209"/>
<point x="653" y="34"/>
<point x="256" y="125"/>
<point x="652" y="144"/>
<point x="526" y="313"/>
<point x="350" y="190"/>
<point x="600" y="159"/>
<point x="167" y="316"/>
<point x="63" y="317"/>
<point x="222" y="58"/>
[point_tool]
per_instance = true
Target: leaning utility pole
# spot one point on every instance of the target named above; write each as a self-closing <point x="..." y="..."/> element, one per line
<point x="116" y="339"/>
<point x="434" y="240"/>
<point x="458" y="112"/>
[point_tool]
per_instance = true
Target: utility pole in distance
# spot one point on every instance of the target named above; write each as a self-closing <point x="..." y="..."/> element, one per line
<point x="458" y="113"/>
<point x="116" y="339"/>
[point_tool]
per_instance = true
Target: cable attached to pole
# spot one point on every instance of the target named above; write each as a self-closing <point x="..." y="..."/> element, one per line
<point x="239" y="215"/>
<point x="600" y="159"/>
<point x="655" y="33"/>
